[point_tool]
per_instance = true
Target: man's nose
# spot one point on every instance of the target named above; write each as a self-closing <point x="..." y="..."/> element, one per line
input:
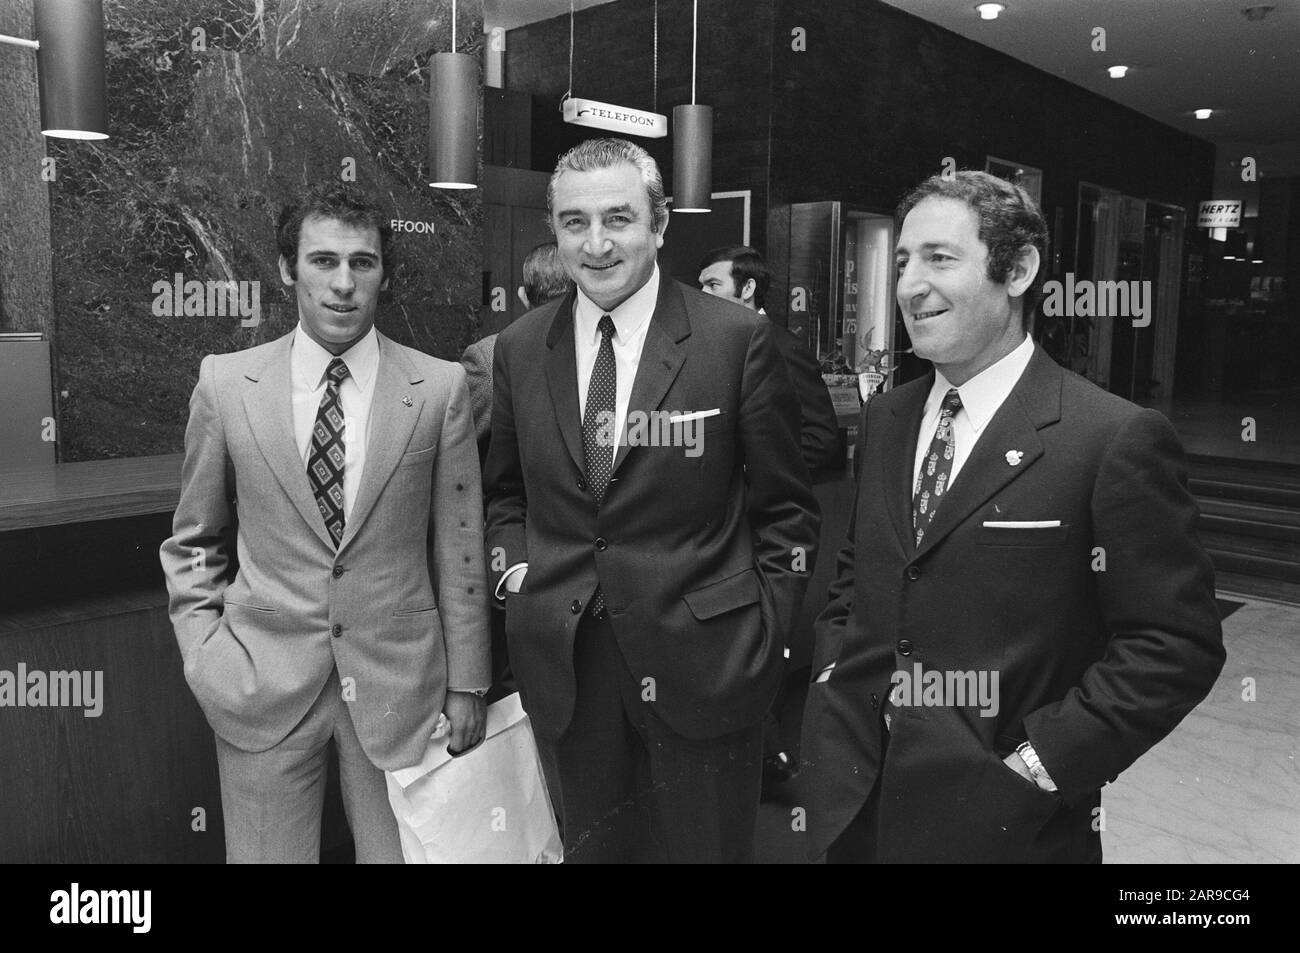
<point x="343" y="281"/>
<point x="597" y="243"/>
<point x="911" y="283"/>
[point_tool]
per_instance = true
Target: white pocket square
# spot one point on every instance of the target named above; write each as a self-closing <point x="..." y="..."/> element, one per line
<point x="1021" y="524"/>
<point x="697" y="415"/>
<point x="825" y="674"/>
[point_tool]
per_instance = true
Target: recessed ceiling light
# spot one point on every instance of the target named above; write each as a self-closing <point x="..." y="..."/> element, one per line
<point x="989" y="11"/>
<point x="1117" y="72"/>
<point x="1257" y="261"/>
<point x="1203" y="113"/>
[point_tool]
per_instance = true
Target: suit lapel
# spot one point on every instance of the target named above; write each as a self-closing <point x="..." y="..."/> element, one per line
<point x="662" y="355"/>
<point x="902" y="431"/>
<point x="269" y="407"/>
<point x="562" y="379"/>
<point x="1033" y="403"/>
<point x="391" y="426"/>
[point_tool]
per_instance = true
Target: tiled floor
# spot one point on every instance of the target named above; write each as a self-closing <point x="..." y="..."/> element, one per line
<point x="1223" y="787"/>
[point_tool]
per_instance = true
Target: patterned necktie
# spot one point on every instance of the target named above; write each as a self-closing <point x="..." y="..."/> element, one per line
<point x="936" y="468"/>
<point x="325" y="461"/>
<point x="598" y="427"/>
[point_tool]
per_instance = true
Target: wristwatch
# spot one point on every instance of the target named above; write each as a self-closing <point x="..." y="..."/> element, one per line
<point x="1036" y="770"/>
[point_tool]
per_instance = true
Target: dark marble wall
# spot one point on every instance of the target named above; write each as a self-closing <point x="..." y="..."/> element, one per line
<point x="221" y="110"/>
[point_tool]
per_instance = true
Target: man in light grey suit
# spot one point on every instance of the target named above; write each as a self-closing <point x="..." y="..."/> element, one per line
<point x="326" y="566"/>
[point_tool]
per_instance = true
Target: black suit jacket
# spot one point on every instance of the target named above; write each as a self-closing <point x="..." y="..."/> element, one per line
<point x="702" y="559"/>
<point x="1103" y="630"/>
<point x="818" y="428"/>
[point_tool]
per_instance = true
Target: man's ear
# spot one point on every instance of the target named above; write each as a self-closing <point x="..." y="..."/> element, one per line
<point x="659" y="235"/>
<point x="523" y="296"/>
<point x="1023" y="271"/>
<point x="747" y="292"/>
<point x="285" y="276"/>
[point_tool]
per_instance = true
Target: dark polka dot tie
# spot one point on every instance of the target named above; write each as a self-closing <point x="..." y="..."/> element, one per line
<point x="936" y="468"/>
<point x="598" y="436"/>
<point x="325" y="461"/>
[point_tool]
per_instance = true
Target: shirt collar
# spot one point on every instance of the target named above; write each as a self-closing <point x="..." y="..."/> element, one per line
<point x="983" y="394"/>
<point x="628" y="316"/>
<point x="310" y="360"/>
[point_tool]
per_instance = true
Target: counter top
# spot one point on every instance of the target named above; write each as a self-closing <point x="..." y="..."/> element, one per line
<point x="82" y="492"/>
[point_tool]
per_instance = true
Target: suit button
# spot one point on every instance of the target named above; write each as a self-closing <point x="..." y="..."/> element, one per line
<point x="576" y="607"/>
<point x="337" y="630"/>
<point x="913" y="573"/>
<point x="338" y="571"/>
<point x="904" y="647"/>
<point x="601" y="544"/>
<point x="582" y="484"/>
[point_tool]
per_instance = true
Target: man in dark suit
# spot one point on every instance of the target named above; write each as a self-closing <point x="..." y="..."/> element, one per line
<point x="650" y="525"/>
<point x="738" y="273"/>
<point x="1022" y="608"/>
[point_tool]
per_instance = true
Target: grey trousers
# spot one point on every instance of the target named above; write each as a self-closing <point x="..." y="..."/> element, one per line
<point x="273" y="799"/>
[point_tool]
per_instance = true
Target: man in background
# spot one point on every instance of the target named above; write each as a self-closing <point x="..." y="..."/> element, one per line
<point x="738" y="273"/>
<point x="544" y="280"/>
<point x="343" y="466"/>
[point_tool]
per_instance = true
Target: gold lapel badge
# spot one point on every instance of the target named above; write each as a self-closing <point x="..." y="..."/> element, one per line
<point x="1014" y="457"/>
<point x="408" y="402"/>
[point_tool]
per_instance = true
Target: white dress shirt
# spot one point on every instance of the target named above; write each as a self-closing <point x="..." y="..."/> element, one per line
<point x="981" y="396"/>
<point x="631" y="322"/>
<point x="308" y="362"/>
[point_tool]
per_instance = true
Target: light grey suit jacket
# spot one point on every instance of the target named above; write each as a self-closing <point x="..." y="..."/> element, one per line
<point x="477" y="361"/>
<point x="401" y="608"/>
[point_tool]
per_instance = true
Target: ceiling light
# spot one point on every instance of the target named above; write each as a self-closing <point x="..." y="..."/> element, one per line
<point x="1117" y="72"/>
<point x="1257" y="261"/>
<point x="989" y="11"/>
<point x="1203" y="113"/>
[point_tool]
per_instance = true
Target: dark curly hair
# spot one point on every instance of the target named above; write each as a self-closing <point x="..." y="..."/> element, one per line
<point x="338" y="202"/>
<point x="1009" y="219"/>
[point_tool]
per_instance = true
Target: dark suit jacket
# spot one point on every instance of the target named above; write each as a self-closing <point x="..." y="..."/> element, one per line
<point x="818" y="428"/>
<point x="1095" y="665"/>
<point x="697" y="556"/>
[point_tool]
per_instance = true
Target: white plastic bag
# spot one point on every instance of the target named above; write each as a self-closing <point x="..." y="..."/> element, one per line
<point x="489" y="806"/>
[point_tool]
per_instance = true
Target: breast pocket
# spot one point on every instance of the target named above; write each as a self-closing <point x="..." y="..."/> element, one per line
<point x="417" y="457"/>
<point x="1026" y="537"/>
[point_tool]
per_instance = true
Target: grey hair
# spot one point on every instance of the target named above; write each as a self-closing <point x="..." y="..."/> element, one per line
<point x="596" y="154"/>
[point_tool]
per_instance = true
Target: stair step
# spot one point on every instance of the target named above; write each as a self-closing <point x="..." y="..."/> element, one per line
<point x="1252" y="564"/>
<point x="1251" y="530"/>
<point x="1284" y="550"/>
<point x="1231" y="583"/>
<point x="1249" y="492"/>
<point x="1248" y="472"/>
<point x="1249" y="512"/>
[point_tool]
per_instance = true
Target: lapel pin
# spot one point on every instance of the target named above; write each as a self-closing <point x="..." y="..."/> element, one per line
<point x="1014" y="457"/>
<point x="407" y="401"/>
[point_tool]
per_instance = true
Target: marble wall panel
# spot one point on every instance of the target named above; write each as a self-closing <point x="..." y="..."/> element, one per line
<point x="213" y="133"/>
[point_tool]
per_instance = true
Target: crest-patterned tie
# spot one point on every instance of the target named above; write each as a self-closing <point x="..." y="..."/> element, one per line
<point x="936" y="468"/>
<point x="597" y="427"/>
<point x="325" y="461"/>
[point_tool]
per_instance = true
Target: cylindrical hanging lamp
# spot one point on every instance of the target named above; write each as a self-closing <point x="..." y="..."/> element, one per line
<point x="453" y="118"/>
<point x="70" y="65"/>
<point x="693" y="143"/>
<point x="692" y="158"/>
